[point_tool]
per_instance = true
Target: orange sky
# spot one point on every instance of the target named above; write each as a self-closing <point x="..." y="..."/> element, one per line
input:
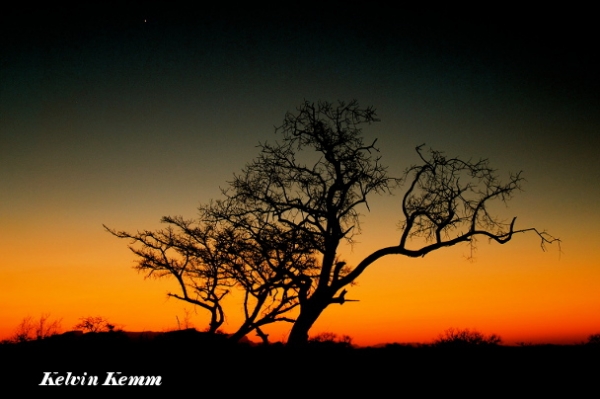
<point x="516" y="290"/>
<point x="122" y="123"/>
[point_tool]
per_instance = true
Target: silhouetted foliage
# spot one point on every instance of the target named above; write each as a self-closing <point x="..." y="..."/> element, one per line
<point x="459" y="338"/>
<point x="278" y="229"/>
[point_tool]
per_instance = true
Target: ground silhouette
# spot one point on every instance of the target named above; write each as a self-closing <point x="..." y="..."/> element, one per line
<point x="188" y="359"/>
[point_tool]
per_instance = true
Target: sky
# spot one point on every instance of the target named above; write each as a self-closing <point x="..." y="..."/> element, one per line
<point x="120" y="117"/>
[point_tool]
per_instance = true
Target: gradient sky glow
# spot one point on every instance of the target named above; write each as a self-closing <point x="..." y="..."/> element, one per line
<point x="113" y="120"/>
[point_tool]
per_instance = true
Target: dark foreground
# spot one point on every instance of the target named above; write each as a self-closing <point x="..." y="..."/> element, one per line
<point x="204" y="367"/>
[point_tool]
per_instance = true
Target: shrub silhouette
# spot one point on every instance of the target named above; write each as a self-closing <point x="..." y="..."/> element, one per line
<point x="30" y="329"/>
<point x="331" y="339"/>
<point x="94" y="324"/>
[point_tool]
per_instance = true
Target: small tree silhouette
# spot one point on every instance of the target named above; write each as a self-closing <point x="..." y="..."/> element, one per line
<point x="94" y="324"/>
<point x="192" y="254"/>
<point x="460" y="338"/>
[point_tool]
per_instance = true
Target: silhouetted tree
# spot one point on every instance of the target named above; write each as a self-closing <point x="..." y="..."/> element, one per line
<point x="210" y="256"/>
<point x="278" y="229"/>
<point x="190" y="253"/>
<point x="315" y="179"/>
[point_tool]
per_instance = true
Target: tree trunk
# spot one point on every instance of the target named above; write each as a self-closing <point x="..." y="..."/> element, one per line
<point x="244" y="330"/>
<point x="307" y="317"/>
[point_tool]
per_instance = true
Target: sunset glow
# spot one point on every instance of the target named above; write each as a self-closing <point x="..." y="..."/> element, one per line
<point x="123" y="123"/>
